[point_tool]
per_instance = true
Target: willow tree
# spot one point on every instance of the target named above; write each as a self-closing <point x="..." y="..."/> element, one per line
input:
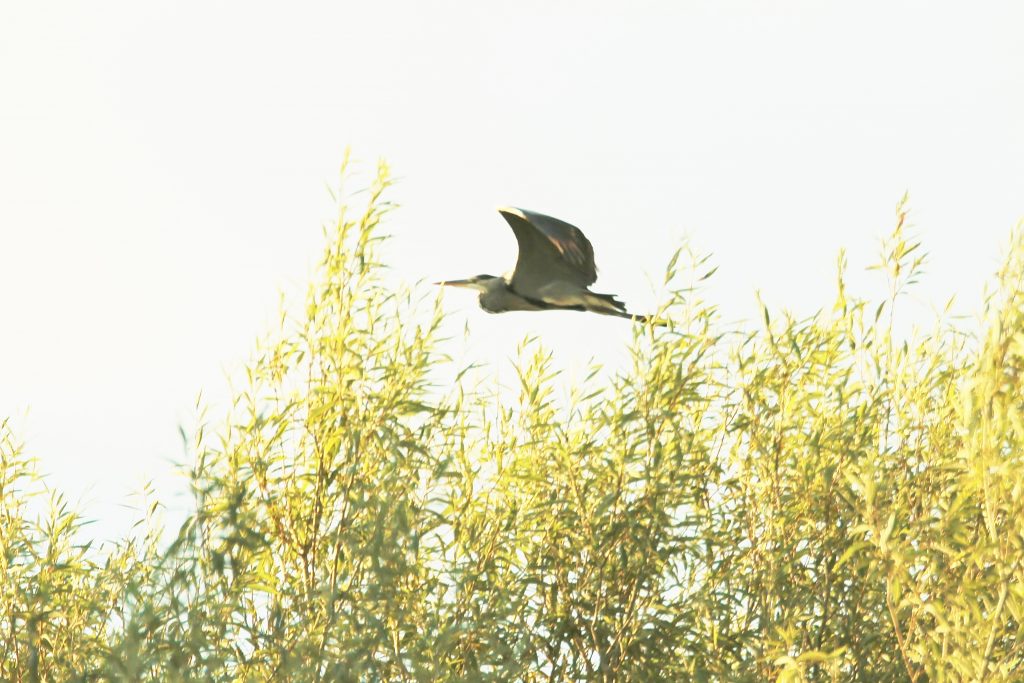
<point x="807" y="499"/>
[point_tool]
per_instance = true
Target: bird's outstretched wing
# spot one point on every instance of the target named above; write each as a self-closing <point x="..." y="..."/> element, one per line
<point x="549" y="250"/>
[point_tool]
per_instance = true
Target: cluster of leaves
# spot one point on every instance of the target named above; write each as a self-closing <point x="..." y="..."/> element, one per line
<point x="812" y="500"/>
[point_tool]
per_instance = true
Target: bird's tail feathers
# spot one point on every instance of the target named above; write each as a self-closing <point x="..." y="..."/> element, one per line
<point x="604" y="303"/>
<point x="607" y="304"/>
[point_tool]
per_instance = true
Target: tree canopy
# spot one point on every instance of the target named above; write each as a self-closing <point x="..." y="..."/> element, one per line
<point x="807" y="499"/>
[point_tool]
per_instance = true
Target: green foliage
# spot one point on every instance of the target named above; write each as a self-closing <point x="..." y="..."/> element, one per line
<point x="810" y="500"/>
<point x="59" y="604"/>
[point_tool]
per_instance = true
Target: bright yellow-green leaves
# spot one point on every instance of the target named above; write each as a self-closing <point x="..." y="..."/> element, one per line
<point x="801" y="500"/>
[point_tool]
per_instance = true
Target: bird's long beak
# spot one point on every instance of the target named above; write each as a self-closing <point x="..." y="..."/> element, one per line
<point x="455" y="283"/>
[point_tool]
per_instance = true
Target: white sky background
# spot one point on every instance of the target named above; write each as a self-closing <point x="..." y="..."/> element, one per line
<point x="162" y="174"/>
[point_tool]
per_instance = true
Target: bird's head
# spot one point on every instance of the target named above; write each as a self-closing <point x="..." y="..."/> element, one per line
<point x="481" y="283"/>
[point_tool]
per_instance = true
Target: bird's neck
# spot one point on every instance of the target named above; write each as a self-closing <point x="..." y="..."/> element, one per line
<point x="493" y="294"/>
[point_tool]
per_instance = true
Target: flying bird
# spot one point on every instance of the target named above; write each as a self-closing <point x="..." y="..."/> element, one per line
<point x="553" y="272"/>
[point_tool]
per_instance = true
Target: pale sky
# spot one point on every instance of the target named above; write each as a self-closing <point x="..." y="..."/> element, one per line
<point x="163" y="170"/>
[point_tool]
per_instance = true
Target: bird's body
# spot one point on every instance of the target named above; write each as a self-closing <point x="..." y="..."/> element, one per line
<point x="554" y="271"/>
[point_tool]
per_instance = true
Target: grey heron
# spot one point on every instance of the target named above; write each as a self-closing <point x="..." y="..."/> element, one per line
<point x="553" y="272"/>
